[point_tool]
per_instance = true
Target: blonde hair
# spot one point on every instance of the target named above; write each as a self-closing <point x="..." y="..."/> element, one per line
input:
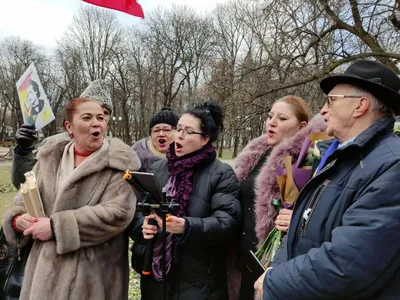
<point x="300" y="107"/>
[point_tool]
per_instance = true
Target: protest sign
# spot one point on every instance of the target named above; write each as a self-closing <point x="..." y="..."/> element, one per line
<point x="34" y="103"/>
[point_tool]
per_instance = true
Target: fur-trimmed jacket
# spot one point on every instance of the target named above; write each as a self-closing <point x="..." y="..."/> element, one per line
<point x="147" y="158"/>
<point x="89" y="257"/>
<point x="266" y="186"/>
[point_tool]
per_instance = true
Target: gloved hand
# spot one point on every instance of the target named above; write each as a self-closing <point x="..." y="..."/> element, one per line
<point x="26" y="137"/>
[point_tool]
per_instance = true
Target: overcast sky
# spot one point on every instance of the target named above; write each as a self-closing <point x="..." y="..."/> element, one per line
<point x="43" y="21"/>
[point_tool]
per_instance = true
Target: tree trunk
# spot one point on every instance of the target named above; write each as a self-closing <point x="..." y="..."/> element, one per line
<point x="221" y="146"/>
<point x="3" y="122"/>
<point x="236" y="144"/>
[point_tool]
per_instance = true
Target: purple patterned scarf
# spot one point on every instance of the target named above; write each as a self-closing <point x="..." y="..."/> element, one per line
<point x="179" y="188"/>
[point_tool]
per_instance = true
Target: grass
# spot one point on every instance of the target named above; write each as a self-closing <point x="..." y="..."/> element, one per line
<point x="7" y="193"/>
<point x="227" y="153"/>
<point x="134" y="281"/>
<point x="5" y="175"/>
<point x="5" y="202"/>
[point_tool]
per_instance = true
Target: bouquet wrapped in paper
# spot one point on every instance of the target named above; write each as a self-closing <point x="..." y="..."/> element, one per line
<point x="291" y="180"/>
<point x="31" y="196"/>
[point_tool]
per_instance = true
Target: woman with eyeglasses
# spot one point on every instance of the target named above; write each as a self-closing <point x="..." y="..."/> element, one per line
<point x="208" y="216"/>
<point x="150" y="150"/>
<point x="162" y="133"/>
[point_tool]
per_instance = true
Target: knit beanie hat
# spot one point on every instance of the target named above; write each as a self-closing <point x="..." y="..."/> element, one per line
<point x="165" y="115"/>
<point x="99" y="90"/>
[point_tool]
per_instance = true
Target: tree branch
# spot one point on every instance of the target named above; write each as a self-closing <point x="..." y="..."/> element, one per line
<point x="356" y="15"/>
<point x="328" y="70"/>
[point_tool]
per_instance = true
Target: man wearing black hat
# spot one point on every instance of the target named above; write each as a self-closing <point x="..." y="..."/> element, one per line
<point x="344" y="237"/>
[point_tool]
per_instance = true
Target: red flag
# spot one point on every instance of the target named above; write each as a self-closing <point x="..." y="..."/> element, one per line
<point x="127" y="6"/>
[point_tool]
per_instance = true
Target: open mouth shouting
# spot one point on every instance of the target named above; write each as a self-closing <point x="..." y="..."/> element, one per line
<point x="162" y="142"/>
<point x="96" y="134"/>
<point x="178" y="147"/>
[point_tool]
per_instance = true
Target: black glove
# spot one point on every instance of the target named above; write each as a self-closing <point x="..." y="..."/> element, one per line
<point x="26" y="137"/>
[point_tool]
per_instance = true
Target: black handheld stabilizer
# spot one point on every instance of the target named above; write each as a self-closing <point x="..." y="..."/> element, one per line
<point x="148" y="191"/>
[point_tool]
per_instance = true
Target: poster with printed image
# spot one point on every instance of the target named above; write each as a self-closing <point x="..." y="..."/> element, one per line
<point x="34" y="103"/>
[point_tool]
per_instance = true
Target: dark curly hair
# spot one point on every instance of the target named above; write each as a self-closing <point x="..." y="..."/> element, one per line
<point x="211" y="118"/>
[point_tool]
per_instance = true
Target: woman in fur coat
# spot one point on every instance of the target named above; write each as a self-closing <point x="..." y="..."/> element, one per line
<point x="80" y="250"/>
<point x="256" y="171"/>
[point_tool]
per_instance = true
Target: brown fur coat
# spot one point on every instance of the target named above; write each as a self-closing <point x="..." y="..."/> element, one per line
<point x="89" y="259"/>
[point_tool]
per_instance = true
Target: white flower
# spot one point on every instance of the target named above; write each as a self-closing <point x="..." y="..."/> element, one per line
<point x="315" y="151"/>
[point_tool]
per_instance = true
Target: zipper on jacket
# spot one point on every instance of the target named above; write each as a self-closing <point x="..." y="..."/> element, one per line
<point x="313" y="204"/>
<point x="312" y="179"/>
<point x="308" y="209"/>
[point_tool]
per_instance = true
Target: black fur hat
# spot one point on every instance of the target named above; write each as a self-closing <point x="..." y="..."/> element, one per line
<point x="165" y="115"/>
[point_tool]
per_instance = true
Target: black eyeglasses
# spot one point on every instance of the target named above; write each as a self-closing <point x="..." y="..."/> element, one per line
<point x="187" y="131"/>
<point x="167" y="131"/>
<point x="331" y="98"/>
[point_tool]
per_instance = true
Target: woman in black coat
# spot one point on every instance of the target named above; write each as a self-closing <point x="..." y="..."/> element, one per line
<point x="208" y="216"/>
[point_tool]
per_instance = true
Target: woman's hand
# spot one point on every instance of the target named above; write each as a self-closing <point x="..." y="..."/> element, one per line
<point x="282" y="221"/>
<point x="25" y="221"/>
<point x="149" y="231"/>
<point x="176" y="225"/>
<point x="40" y="230"/>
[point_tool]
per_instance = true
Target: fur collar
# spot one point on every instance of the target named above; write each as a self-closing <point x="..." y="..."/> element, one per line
<point x="118" y="156"/>
<point x="147" y="158"/>
<point x="266" y="187"/>
<point x="250" y="155"/>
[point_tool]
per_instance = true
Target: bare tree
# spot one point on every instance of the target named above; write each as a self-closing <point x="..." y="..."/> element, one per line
<point x="122" y="73"/>
<point x="94" y="35"/>
<point x="230" y="50"/>
<point x="15" y="57"/>
<point x="92" y="48"/>
<point x="147" y="82"/>
<point x="313" y="38"/>
<point x="245" y="55"/>
<point x="166" y="34"/>
<point x="196" y="45"/>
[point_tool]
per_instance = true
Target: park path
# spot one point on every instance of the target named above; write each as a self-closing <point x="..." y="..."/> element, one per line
<point x="5" y="158"/>
<point x="230" y="162"/>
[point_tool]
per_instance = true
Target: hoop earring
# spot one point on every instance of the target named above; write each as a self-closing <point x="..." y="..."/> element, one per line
<point x="71" y="136"/>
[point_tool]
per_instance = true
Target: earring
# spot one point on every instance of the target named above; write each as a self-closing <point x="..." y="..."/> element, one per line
<point x="71" y="135"/>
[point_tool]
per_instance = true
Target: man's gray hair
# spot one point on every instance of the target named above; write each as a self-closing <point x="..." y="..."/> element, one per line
<point x="376" y="104"/>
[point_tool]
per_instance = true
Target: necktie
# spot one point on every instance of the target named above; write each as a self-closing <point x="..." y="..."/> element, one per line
<point x="330" y="150"/>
